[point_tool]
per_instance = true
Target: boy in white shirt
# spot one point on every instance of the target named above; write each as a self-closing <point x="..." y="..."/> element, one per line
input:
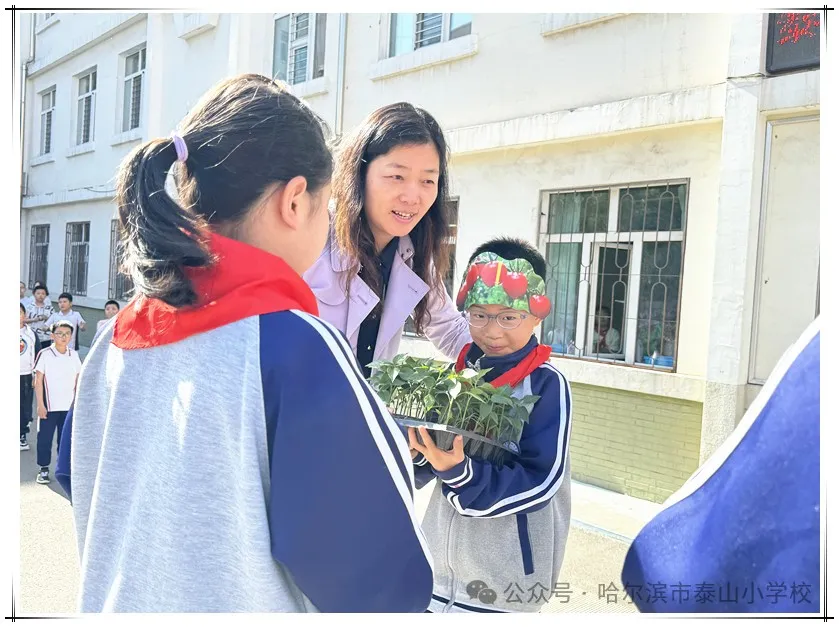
<point x="57" y="372"/>
<point x="65" y="312"/>
<point x="38" y="311"/>
<point x="28" y="345"/>
<point x="111" y="309"/>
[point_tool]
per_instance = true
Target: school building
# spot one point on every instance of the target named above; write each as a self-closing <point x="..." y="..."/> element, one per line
<point x="666" y="164"/>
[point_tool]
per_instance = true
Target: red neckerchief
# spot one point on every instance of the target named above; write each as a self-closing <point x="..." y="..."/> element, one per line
<point x="244" y="281"/>
<point x="517" y="373"/>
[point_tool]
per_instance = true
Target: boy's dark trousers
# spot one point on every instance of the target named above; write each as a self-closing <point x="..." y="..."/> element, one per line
<point x="25" y="403"/>
<point x="53" y="425"/>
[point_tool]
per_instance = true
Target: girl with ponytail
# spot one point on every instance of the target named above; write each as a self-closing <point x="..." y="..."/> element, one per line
<point x="211" y="416"/>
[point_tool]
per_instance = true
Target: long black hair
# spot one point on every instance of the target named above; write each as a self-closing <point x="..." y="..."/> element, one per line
<point x="246" y="134"/>
<point x="400" y="124"/>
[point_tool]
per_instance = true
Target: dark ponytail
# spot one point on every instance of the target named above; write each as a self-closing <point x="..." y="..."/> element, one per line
<point x="161" y="238"/>
<point x="245" y="135"/>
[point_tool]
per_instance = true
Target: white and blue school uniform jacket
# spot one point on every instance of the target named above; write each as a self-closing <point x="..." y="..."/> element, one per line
<point x="742" y="535"/>
<point x="231" y="458"/>
<point x="498" y="534"/>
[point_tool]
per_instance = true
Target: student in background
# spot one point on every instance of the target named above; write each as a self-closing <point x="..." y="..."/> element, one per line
<point x="111" y="309"/>
<point x="65" y="312"/>
<point x="28" y="347"/>
<point x="57" y="370"/>
<point x="38" y="312"/>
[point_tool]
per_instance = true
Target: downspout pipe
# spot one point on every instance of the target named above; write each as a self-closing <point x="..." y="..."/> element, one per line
<point x="342" y="66"/>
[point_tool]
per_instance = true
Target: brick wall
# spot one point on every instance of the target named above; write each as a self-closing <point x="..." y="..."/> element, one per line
<point x="636" y="444"/>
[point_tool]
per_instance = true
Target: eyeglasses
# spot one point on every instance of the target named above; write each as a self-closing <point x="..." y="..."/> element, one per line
<point x="505" y="320"/>
<point x="63" y="334"/>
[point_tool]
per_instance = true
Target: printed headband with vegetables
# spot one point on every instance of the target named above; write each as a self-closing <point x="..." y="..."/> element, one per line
<point x="493" y="280"/>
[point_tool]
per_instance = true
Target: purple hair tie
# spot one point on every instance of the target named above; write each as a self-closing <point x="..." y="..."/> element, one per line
<point x="180" y="147"/>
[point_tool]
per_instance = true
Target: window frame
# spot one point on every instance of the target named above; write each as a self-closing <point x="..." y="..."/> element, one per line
<point x="93" y="76"/>
<point x="34" y="246"/>
<point x="50" y="113"/>
<point x="452" y="281"/>
<point x="445" y="32"/>
<point x="126" y="77"/>
<point x="586" y="294"/>
<point x="309" y="42"/>
<point x="70" y="248"/>
<point x="120" y="284"/>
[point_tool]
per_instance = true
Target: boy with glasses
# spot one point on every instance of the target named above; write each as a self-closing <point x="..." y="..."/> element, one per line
<point x="497" y="532"/>
<point x="57" y="372"/>
<point x="66" y="312"/>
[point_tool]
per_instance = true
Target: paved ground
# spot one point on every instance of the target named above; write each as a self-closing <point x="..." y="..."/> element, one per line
<point x="49" y="562"/>
<point x="49" y="572"/>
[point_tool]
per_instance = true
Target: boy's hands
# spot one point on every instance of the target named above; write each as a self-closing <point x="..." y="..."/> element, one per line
<point x="42" y="412"/>
<point x="441" y="461"/>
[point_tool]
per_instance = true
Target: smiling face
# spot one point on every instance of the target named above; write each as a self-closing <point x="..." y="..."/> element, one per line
<point x="400" y="187"/>
<point x="492" y="338"/>
<point x="110" y="311"/>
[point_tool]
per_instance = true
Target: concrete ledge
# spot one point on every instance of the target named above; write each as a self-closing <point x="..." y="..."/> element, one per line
<point x="436" y="54"/>
<point x="555" y="23"/>
<point x="81" y="149"/>
<point x="42" y="159"/>
<point x="134" y="134"/>
<point x="799" y="91"/>
<point x="188" y="25"/>
<point x="67" y="196"/>
<point x="54" y="19"/>
<point x="688" y="106"/>
<point x="640" y="380"/>
<point x="310" y="88"/>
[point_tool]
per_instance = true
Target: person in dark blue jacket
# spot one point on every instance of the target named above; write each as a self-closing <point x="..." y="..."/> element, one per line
<point x="497" y="532"/>
<point x="742" y="535"/>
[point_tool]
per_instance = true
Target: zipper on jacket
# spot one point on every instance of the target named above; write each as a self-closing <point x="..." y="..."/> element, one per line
<point x="449" y="562"/>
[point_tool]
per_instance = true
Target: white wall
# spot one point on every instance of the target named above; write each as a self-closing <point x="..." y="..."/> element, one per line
<point x="517" y="71"/>
<point x="93" y="168"/>
<point x="99" y="214"/>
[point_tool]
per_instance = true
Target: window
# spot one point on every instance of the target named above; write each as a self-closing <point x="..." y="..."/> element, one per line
<point x="119" y="283"/>
<point x="412" y="31"/>
<point x="76" y="251"/>
<point x="614" y="261"/>
<point x="299" y="47"/>
<point x="792" y="42"/>
<point x="135" y="71"/>
<point x="47" y="112"/>
<point x="48" y="16"/>
<point x="39" y="245"/>
<point x="452" y="243"/>
<point x="86" y="108"/>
